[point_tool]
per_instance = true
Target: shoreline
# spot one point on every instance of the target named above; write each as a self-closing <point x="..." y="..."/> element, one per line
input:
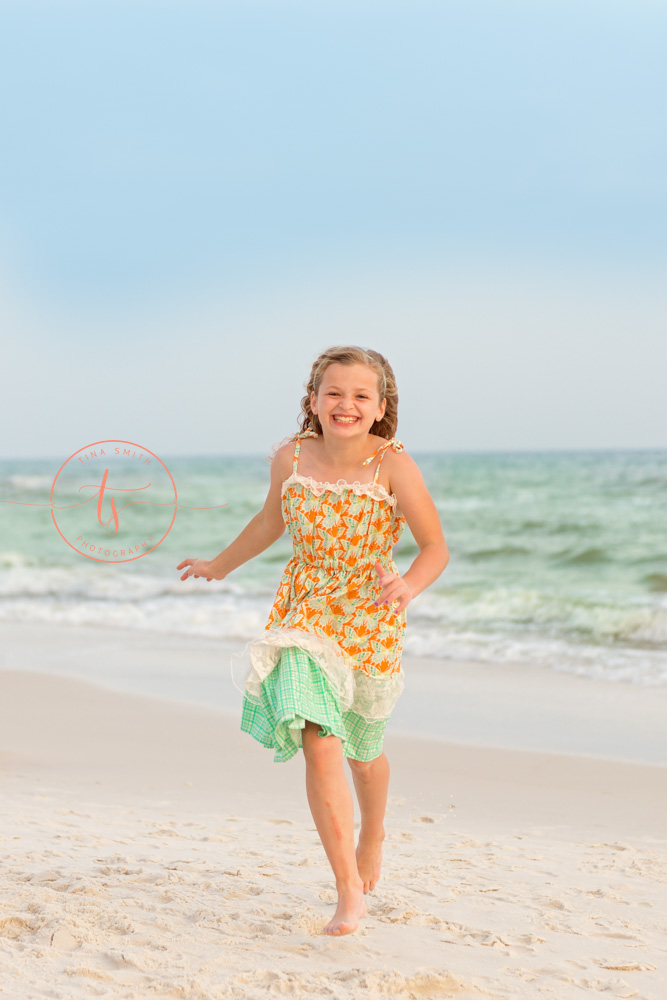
<point x="508" y="706"/>
<point x="79" y="738"/>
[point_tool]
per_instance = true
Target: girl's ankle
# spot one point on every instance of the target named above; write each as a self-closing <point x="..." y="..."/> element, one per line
<point x="372" y="836"/>
<point x="345" y="888"/>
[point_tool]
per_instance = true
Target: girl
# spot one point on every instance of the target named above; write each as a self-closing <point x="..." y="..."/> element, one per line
<point x="326" y="674"/>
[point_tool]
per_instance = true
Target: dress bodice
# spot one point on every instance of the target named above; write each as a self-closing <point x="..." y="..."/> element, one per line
<point x="341" y="526"/>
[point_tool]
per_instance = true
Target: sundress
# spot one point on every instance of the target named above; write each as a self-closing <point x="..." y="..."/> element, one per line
<point x="328" y="654"/>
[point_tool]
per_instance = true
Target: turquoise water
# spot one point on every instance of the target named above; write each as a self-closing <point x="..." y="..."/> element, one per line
<point x="557" y="559"/>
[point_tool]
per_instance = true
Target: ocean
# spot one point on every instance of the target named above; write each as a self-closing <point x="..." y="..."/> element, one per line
<point x="558" y="559"/>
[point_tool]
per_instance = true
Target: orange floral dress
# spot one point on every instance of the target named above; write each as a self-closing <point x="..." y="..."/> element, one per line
<point x="324" y="605"/>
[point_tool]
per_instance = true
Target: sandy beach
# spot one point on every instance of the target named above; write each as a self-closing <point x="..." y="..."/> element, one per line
<point x="151" y="849"/>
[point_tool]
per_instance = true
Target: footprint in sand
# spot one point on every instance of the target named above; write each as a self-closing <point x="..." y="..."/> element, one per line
<point x="46" y="876"/>
<point x="426" y="983"/>
<point x="63" y="939"/>
<point x="16" y="927"/>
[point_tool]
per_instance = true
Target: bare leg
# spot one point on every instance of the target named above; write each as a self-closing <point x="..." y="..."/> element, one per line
<point x="332" y="807"/>
<point x="371" y="781"/>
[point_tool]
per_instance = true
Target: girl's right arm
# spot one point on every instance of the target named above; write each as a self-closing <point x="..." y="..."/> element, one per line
<point x="264" y="529"/>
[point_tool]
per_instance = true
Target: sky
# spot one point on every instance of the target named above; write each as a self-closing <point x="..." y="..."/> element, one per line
<point x="197" y="198"/>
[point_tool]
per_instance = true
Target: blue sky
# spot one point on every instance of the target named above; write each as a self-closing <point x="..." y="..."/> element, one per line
<point x="203" y="181"/>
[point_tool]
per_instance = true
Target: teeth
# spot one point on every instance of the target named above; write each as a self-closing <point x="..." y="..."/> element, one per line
<point x="345" y="420"/>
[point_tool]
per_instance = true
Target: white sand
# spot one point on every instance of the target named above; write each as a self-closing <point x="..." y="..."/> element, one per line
<point x="151" y="849"/>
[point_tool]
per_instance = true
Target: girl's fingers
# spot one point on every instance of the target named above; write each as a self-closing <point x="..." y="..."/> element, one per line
<point x="391" y="592"/>
<point x="384" y="576"/>
<point x="396" y="593"/>
<point x="390" y="596"/>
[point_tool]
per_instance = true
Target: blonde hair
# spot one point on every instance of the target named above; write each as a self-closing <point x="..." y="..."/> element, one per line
<point x="353" y="355"/>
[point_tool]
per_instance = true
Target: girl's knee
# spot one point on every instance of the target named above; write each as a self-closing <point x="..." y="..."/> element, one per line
<point x="359" y="765"/>
<point x="320" y="747"/>
<point x="362" y="766"/>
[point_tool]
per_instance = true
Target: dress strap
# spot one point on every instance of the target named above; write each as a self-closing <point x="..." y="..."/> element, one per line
<point x="395" y="444"/>
<point x="304" y="434"/>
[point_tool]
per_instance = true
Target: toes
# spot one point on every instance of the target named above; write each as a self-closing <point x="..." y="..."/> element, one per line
<point x="344" y="927"/>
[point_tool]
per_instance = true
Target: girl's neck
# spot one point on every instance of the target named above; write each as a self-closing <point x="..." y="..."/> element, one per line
<point x="342" y="459"/>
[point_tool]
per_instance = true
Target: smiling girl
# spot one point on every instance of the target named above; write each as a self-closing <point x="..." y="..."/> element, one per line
<point x="326" y="674"/>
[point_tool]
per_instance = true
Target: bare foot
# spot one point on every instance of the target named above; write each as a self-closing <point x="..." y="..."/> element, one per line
<point x="351" y="908"/>
<point x="369" y="860"/>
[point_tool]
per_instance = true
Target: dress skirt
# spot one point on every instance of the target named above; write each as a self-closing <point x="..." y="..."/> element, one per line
<point x="295" y="690"/>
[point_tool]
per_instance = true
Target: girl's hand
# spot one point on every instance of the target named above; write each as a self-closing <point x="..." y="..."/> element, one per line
<point x="198" y="567"/>
<point x="393" y="588"/>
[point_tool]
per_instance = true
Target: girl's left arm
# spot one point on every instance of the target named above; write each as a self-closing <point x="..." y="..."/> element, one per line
<point x="421" y="514"/>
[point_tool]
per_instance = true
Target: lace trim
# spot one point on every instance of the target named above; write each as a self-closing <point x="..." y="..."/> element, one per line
<point x="375" y="490"/>
<point x="373" y="698"/>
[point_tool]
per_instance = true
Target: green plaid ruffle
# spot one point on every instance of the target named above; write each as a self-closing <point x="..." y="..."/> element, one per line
<point x="297" y="689"/>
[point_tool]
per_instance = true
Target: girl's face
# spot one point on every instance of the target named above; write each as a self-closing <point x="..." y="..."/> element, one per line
<point x="348" y="402"/>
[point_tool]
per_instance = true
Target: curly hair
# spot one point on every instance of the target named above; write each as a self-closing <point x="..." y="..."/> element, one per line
<point x="353" y="355"/>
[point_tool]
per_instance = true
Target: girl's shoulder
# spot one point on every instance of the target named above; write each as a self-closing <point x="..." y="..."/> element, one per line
<point x="401" y="469"/>
<point x="386" y="446"/>
<point x="283" y="451"/>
